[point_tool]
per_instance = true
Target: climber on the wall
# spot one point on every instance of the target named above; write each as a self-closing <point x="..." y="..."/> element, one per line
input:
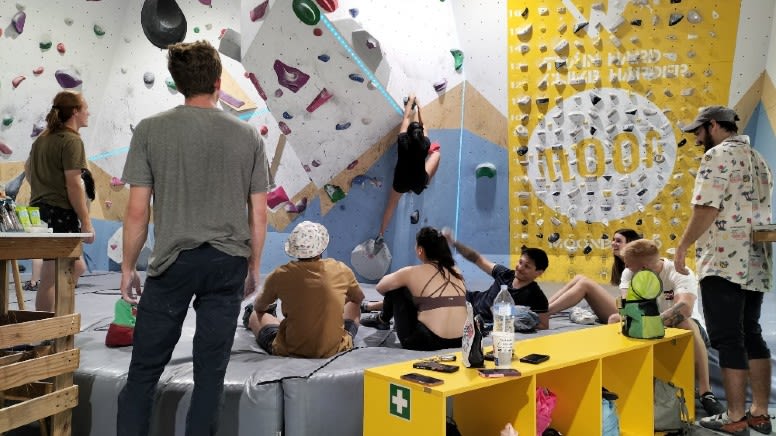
<point x="418" y="160"/>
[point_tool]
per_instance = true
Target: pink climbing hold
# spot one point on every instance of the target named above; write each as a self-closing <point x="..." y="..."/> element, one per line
<point x="37" y="71"/>
<point x="290" y="77"/>
<point x="259" y="89"/>
<point x="284" y="128"/>
<point x="327" y="5"/>
<point x="5" y="149"/>
<point x="115" y="181"/>
<point x="18" y="21"/>
<point x="259" y="11"/>
<point x="353" y="164"/>
<point x="320" y="99"/>
<point x="17" y="80"/>
<point x="206" y="2"/>
<point x="61" y="48"/>
<point x="276" y="197"/>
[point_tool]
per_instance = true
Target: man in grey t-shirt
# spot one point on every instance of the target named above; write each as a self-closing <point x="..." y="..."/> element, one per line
<point x="208" y="174"/>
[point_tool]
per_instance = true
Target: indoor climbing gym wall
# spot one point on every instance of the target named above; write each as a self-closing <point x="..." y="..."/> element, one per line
<point x="598" y="92"/>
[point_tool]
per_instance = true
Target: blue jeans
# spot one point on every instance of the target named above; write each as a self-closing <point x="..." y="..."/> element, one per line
<point x="216" y="281"/>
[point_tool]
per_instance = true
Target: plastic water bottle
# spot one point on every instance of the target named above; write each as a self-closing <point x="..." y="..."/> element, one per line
<point x="503" y="328"/>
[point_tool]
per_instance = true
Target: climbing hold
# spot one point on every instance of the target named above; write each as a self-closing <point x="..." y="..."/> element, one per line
<point x="171" y="84"/>
<point x="342" y="126"/>
<point x="457" y="58"/>
<point x="67" y="79"/>
<point x="298" y="207"/>
<point x="675" y="19"/>
<point x="694" y="17"/>
<point x="38" y="128"/>
<point x="371" y="43"/>
<point x="61" y="48"/>
<point x="328" y="5"/>
<point x="37" y="71"/>
<point x="415" y="217"/>
<point x="17" y="80"/>
<point x="320" y="99"/>
<point x="98" y="30"/>
<point x="366" y="121"/>
<point x="69" y="21"/>
<point x="317" y="31"/>
<point x="259" y="89"/>
<point x="356" y="77"/>
<point x="352" y="164"/>
<point x="206" y="2"/>
<point x="115" y="181"/>
<point x="522" y="150"/>
<point x="287" y="115"/>
<point x="284" y="128"/>
<point x="334" y="192"/>
<point x="553" y="238"/>
<point x="485" y="169"/>
<point x="18" y="21"/>
<point x="353" y="12"/>
<point x="290" y="77"/>
<point x="276" y="197"/>
<point x="579" y="26"/>
<point x="259" y="11"/>
<point x="149" y="78"/>
<point x="315" y="163"/>
<point x="682" y="142"/>
<point x="196" y="29"/>
<point x="45" y="45"/>
<point x="306" y="11"/>
<point x="263" y="130"/>
<point x="278" y="93"/>
<point x="324" y="58"/>
<point x="5" y="149"/>
<point x="587" y="250"/>
<point x="440" y="86"/>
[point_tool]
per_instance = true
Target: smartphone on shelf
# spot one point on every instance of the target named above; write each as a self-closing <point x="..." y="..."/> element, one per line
<point x="535" y="358"/>
<point x="498" y="372"/>
<point x="435" y="366"/>
<point x="422" y="379"/>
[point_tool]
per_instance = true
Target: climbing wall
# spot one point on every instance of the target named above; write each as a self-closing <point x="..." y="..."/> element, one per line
<point x="336" y="88"/>
<point x="598" y="92"/>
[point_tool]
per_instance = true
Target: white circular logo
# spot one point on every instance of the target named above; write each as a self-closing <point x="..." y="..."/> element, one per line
<point x="600" y="155"/>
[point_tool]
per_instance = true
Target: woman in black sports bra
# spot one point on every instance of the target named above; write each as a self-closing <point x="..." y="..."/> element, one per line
<point x="426" y="301"/>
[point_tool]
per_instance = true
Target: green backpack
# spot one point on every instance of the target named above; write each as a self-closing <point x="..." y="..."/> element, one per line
<point x="639" y="310"/>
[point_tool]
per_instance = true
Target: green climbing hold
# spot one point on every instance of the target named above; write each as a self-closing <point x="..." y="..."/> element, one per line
<point x="196" y="30"/>
<point x="306" y="11"/>
<point x="7" y="121"/>
<point x="334" y="192"/>
<point x="45" y="45"/>
<point x="98" y="30"/>
<point x="486" y="169"/>
<point x="170" y="83"/>
<point x="458" y="58"/>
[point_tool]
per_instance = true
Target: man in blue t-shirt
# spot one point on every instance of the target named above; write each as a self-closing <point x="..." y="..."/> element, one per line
<point x="520" y="282"/>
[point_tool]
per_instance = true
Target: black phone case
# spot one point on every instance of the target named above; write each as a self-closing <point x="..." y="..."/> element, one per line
<point x="435" y="366"/>
<point x="535" y="358"/>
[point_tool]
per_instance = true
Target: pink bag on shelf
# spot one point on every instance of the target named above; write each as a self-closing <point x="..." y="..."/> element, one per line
<point x="545" y="404"/>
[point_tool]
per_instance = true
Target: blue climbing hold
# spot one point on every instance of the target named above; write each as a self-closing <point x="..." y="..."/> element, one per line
<point x="324" y="58"/>
<point x="287" y="115"/>
<point x="343" y="126"/>
<point x="356" y="78"/>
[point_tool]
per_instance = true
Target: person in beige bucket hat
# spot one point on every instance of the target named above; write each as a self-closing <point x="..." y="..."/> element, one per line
<point x="307" y="240"/>
<point x="320" y="300"/>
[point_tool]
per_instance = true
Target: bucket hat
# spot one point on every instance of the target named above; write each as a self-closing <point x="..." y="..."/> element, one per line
<point x="307" y="240"/>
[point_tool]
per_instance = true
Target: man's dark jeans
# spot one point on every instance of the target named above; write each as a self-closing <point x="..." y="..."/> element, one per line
<point x="216" y="280"/>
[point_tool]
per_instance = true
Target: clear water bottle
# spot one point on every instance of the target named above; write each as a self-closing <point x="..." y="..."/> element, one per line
<point x="503" y="328"/>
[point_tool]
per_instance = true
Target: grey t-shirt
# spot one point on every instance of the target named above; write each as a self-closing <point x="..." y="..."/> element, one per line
<point x="202" y="165"/>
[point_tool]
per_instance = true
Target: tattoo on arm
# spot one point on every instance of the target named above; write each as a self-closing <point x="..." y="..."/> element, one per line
<point x="468" y="253"/>
<point x="673" y="316"/>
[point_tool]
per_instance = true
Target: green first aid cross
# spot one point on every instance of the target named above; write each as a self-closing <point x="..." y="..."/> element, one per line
<point x="399" y="401"/>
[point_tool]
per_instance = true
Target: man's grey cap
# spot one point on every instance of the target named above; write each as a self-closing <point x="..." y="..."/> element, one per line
<point x="716" y="113"/>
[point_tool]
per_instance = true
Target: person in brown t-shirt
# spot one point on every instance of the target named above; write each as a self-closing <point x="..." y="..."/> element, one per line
<point x="320" y="300"/>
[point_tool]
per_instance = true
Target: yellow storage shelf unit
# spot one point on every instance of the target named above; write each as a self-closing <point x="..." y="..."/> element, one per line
<point x="581" y="363"/>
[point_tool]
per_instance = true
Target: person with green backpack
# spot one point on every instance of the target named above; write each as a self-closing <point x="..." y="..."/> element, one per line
<point x="675" y="305"/>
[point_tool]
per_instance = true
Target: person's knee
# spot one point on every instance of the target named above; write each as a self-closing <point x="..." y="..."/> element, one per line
<point x="614" y="318"/>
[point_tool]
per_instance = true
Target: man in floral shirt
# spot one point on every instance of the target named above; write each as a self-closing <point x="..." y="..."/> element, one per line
<point x="732" y="193"/>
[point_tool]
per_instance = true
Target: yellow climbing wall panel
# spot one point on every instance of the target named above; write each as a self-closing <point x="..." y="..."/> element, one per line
<point x="598" y="91"/>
